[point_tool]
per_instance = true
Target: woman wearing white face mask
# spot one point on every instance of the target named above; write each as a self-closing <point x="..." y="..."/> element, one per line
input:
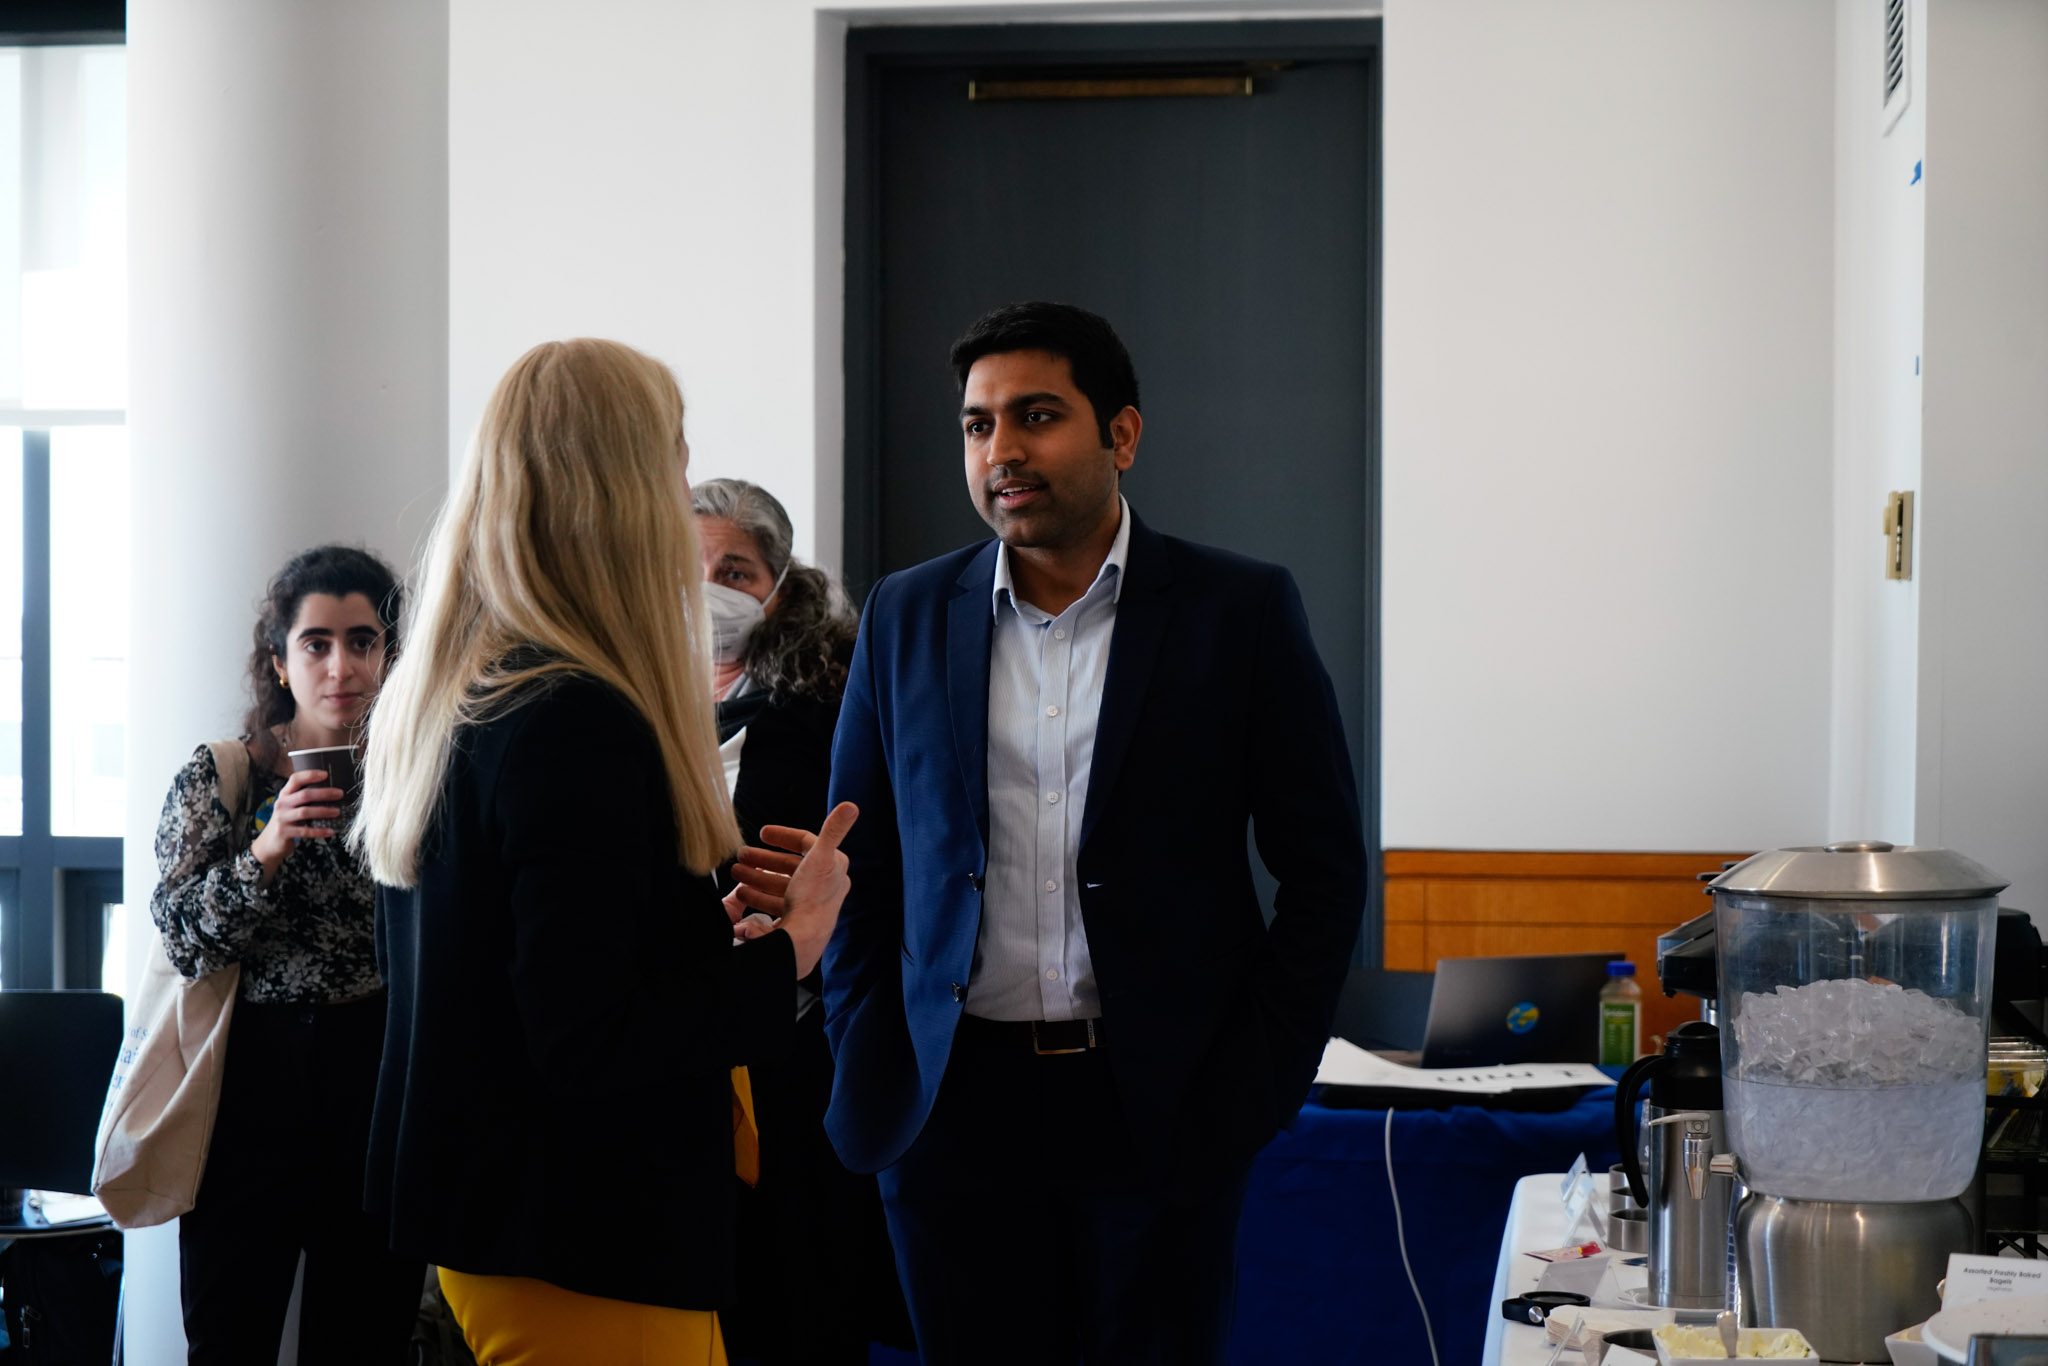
<point x="783" y="638"/>
<point x="737" y="591"/>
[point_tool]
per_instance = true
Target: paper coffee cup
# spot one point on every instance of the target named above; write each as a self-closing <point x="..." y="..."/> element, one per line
<point x="340" y="763"/>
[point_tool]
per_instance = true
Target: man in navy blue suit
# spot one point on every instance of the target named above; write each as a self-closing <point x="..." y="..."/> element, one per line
<point x="1062" y="1025"/>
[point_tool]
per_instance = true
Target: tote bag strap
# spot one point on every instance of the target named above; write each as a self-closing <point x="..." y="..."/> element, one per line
<point x="231" y="762"/>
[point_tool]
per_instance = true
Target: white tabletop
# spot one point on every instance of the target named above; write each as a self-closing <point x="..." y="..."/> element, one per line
<point x="1536" y="1222"/>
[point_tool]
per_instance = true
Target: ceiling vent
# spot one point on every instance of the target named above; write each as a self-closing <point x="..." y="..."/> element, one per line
<point x="1897" y="89"/>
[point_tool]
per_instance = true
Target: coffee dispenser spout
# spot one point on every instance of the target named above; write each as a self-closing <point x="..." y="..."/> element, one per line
<point x="1699" y="1152"/>
<point x="1696" y="1155"/>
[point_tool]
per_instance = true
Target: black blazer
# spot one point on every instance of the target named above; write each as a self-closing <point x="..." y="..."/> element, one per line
<point x="1216" y="716"/>
<point x="786" y="763"/>
<point x="785" y="767"/>
<point x="565" y="1003"/>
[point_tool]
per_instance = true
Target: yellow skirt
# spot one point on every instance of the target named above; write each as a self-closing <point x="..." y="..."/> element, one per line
<point x="518" y="1321"/>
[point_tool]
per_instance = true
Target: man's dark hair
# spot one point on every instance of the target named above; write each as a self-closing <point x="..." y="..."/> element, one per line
<point x="1102" y="368"/>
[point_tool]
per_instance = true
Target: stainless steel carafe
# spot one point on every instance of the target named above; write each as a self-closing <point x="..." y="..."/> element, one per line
<point x="1670" y="1166"/>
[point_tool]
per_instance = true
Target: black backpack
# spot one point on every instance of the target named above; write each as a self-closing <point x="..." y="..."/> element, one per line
<point x="63" y="1297"/>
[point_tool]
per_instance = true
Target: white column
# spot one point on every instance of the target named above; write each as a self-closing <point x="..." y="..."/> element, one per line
<point x="1983" y="739"/>
<point x="288" y="364"/>
<point x="1880" y="287"/>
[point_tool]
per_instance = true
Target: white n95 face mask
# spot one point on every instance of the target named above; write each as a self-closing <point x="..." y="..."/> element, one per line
<point x="734" y="617"/>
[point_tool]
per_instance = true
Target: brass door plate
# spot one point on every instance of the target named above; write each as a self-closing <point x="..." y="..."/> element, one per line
<point x="1107" y="87"/>
<point x="1898" y="535"/>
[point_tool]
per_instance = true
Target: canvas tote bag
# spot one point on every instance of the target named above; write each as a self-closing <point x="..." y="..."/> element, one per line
<point x="158" y="1120"/>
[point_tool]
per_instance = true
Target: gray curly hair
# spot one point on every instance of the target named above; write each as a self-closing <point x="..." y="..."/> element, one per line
<point x="804" y="645"/>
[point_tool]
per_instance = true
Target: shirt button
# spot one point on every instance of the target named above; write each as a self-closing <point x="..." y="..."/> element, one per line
<point x="1052" y="796"/>
<point x="1052" y="711"/>
<point x="1051" y="886"/>
<point x="1060" y="634"/>
<point x="1052" y="974"/>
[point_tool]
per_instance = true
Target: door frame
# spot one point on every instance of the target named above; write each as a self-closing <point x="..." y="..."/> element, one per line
<point x="871" y="51"/>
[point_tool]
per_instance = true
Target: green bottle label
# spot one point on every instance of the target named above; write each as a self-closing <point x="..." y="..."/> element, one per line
<point x="1617" y="1033"/>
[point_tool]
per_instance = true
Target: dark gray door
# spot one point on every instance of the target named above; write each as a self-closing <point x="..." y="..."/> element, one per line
<point x="1230" y="240"/>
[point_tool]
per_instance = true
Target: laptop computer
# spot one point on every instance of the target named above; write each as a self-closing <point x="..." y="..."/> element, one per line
<point x="1538" y="1007"/>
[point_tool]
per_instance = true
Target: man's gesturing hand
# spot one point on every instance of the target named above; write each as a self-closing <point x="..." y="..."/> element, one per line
<point x="803" y="887"/>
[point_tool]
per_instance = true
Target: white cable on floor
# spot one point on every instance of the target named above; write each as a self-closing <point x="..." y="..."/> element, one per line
<point x="1401" y="1239"/>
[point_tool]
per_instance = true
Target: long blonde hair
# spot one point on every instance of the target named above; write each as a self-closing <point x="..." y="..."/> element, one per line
<point x="567" y="530"/>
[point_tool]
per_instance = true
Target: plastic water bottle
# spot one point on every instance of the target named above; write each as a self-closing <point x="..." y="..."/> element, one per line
<point x="1621" y="1016"/>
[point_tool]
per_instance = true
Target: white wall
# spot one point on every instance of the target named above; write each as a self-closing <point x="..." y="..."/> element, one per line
<point x="1983" y="679"/>
<point x="288" y="344"/>
<point x="646" y="178"/>
<point x="1608" y="381"/>
<point x="1608" y="308"/>
<point x="671" y="177"/>
<point x="1880" y="227"/>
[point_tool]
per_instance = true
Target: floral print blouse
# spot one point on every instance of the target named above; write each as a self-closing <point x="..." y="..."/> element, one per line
<point x="308" y="937"/>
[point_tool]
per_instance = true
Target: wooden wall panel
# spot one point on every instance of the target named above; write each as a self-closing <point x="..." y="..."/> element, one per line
<point x="1492" y="901"/>
<point x="1445" y="903"/>
<point x="1407" y="949"/>
<point x="1406" y="901"/>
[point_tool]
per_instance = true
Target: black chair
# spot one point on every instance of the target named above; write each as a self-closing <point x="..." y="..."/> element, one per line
<point x="57" y="1051"/>
<point x="61" y="1288"/>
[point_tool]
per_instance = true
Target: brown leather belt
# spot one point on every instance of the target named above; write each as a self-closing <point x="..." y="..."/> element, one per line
<point x="1043" y="1037"/>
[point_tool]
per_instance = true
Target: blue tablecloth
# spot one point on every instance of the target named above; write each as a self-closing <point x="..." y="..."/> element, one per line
<point x="1317" y="1259"/>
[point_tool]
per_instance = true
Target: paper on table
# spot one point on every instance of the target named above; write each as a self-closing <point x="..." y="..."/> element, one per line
<point x="1346" y="1064"/>
<point x="59" y="1208"/>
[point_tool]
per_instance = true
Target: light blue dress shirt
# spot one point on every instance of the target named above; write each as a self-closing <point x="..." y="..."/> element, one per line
<point x="1045" y="678"/>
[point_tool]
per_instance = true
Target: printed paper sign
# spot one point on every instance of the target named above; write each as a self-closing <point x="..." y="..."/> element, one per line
<point x="1972" y="1280"/>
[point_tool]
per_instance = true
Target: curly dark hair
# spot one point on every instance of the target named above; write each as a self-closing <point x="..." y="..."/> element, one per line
<point x="338" y="570"/>
<point x="803" y="647"/>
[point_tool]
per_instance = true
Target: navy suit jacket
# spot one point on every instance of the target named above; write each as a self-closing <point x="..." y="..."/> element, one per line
<point x="1216" y="713"/>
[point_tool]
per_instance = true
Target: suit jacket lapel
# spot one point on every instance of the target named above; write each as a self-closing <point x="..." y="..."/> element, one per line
<point x="1142" y="609"/>
<point x="969" y="619"/>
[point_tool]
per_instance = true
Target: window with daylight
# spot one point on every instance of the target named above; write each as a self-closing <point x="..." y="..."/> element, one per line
<point x="63" y="510"/>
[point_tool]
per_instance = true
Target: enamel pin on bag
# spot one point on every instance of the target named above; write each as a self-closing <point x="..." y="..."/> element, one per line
<point x="158" y="1121"/>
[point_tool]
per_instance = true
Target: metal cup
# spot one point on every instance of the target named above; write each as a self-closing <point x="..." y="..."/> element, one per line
<point x="1618" y="1198"/>
<point x="1628" y="1230"/>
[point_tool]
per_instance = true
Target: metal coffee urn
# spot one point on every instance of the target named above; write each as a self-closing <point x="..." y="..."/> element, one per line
<point x="1855" y="989"/>
<point x="1669" y="1166"/>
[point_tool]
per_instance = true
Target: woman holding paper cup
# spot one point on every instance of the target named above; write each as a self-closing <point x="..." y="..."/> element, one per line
<point x="252" y="873"/>
<point x="564" y="1102"/>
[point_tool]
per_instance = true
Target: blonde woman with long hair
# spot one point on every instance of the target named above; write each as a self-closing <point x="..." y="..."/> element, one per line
<point x="558" y="1120"/>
